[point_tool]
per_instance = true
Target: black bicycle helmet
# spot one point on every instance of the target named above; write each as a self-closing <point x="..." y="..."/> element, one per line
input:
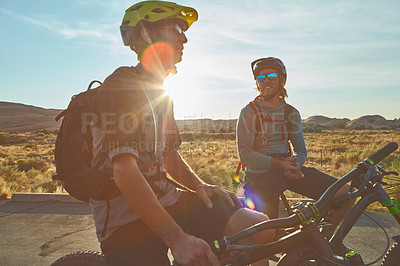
<point x="269" y="62"/>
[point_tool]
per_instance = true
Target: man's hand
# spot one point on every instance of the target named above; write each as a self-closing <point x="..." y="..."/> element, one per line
<point x="293" y="172"/>
<point x="205" y="191"/>
<point x="291" y="167"/>
<point x="189" y="250"/>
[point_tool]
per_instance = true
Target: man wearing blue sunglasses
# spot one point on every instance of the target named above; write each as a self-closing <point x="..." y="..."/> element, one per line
<point x="265" y="128"/>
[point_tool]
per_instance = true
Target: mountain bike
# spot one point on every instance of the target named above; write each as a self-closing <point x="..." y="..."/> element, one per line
<point x="301" y="239"/>
<point x="303" y="242"/>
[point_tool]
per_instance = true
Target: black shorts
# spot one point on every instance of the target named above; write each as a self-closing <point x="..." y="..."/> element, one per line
<point x="264" y="189"/>
<point x="136" y="244"/>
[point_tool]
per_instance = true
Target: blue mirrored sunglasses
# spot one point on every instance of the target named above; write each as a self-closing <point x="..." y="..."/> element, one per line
<point x="271" y="76"/>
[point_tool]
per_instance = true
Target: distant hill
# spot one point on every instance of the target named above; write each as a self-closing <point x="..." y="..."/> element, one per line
<point x="374" y="122"/>
<point x="364" y="122"/>
<point x="319" y="120"/>
<point x="23" y="118"/>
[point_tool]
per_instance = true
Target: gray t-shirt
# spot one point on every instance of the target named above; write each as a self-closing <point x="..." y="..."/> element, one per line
<point x="254" y="151"/>
<point x="124" y="124"/>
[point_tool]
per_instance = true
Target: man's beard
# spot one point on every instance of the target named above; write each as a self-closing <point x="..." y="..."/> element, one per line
<point x="270" y="95"/>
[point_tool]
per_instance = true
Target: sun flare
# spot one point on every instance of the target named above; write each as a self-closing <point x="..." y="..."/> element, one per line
<point x="183" y="92"/>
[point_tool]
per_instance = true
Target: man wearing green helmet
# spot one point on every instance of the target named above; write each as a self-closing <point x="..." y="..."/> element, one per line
<point x="136" y="140"/>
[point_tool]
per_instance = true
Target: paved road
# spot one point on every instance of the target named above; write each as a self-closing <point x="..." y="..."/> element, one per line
<point x="38" y="232"/>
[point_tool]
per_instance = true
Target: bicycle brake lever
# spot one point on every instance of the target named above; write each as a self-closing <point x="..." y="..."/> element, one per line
<point x="384" y="172"/>
<point x="384" y="183"/>
<point x="393" y="173"/>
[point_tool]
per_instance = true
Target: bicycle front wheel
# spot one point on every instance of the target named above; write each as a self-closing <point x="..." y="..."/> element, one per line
<point x="82" y="258"/>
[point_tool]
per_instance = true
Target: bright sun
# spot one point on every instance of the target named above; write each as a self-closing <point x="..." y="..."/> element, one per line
<point x="183" y="93"/>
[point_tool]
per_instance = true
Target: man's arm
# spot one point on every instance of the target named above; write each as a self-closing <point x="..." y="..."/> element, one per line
<point x="293" y="164"/>
<point x="297" y="138"/>
<point x="185" y="248"/>
<point x="245" y="137"/>
<point x="180" y="171"/>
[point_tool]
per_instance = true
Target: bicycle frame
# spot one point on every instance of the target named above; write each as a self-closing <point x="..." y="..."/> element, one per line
<point x="304" y="244"/>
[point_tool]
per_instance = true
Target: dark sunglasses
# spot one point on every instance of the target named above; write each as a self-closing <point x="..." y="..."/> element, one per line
<point x="271" y="76"/>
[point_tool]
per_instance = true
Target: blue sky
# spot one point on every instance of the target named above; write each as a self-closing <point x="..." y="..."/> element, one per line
<point x="343" y="57"/>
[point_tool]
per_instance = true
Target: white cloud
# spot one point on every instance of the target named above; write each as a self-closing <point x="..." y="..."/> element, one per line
<point x="325" y="45"/>
<point x="81" y="30"/>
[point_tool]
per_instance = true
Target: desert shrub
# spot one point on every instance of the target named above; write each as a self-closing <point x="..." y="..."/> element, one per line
<point x="353" y="157"/>
<point x="31" y="146"/>
<point x="11" y="180"/>
<point x="344" y="169"/>
<point x="20" y="140"/>
<point x="28" y="164"/>
<point x="39" y="181"/>
<point x="40" y="134"/>
<point x="43" y="132"/>
<point x="339" y="161"/>
<point x="4" y="190"/>
<point x="10" y="173"/>
<point x="33" y="174"/>
<point x="3" y="139"/>
<point x="47" y="187"/>
<point x="217" y="176"/>
<point x="315" y="129"/>
<point x="3" y="195"/>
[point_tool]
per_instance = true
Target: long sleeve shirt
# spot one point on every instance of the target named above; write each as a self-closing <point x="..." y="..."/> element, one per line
<point x="254" y="150"/>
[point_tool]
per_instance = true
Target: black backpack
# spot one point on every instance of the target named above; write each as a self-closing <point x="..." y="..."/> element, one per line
<point x="73" y="151"/>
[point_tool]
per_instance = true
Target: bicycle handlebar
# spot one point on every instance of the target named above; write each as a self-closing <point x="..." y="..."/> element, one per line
<point x="382" y="153"/>
<point x="323" y="202"/>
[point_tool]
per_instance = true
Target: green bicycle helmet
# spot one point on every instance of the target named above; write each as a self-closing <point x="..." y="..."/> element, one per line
<point x="148" y="12"/>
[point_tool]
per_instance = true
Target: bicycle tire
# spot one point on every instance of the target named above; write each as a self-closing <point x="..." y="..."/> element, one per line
<point x="392" y="256"/>
<point x="81" y="258"/>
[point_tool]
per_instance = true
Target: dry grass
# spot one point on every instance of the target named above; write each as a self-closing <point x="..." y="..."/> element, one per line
<point x="26" y="163"/>
<point x="26" y="159"/>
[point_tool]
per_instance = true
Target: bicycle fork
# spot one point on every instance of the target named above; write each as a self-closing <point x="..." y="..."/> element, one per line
<point x="336" y="242"/>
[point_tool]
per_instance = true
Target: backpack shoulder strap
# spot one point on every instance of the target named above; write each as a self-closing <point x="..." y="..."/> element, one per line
<point x="288" y="116"/>
<point x="256" y="109"/>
